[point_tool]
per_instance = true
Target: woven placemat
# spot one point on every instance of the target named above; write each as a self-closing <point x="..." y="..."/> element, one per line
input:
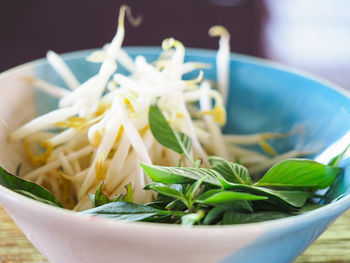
<point x="332" y="247"/>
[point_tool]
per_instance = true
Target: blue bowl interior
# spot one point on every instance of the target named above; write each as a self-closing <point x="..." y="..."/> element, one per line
<point x="262" y="98"/>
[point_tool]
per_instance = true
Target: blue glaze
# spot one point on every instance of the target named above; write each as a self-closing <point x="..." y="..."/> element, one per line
<point x="263" y="97"/>
<point x="281" y="245"/>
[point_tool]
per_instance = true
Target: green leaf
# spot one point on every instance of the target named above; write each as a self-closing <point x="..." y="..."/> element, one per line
<point x="194" y="187"/>
<point x="233" y="217"/>
<point x="165" y="190"/>
<point x="294" y="198"/>
<point x="336" y="160"/>
<point x="165" y="135"/>
<point x="178" y="205"/>
<point x="207" y="194"/>
<point x="215" y="214"/>
<point x="162" y="201"/>
<point x="130" y="212"/>
<point x="123" y="211"/>
<point x="299" y="173"/>
<point x="180" y="175"/>
<point x="27" y="188"/>
<point x="288" y="200"/>
<point x="185" y="143"/>
<point x="35" y="197"/>
<point x="99" y="198"/>
<point x="128" y="196"/>
<point x="193" y="218"/>
<point x="229" y="196"/>
<point x="167" y="219"/>
<point x="232" y="172"/>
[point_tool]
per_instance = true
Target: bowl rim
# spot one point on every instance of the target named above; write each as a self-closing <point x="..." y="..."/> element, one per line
<point x="335" y="208"/>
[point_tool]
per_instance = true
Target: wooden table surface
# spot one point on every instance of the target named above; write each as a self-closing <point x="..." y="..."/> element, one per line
<point x="332" y="247"/>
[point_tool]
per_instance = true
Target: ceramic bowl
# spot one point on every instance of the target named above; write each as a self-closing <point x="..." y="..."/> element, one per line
<point x="263" y="97"/>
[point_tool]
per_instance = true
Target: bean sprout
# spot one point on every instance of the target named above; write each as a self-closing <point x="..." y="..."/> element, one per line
<point x="100" y="131"/>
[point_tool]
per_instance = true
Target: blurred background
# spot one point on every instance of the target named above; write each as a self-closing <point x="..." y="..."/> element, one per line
<point x="313" y="35"/>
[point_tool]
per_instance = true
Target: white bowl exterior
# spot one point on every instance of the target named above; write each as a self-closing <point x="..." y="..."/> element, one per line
<point x="64" y="236"/>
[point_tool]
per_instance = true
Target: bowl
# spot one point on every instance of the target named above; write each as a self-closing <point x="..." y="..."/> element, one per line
<point x="263" y="96"/>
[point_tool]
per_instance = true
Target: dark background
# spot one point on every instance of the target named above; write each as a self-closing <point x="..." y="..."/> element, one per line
<point x="312" y="35"/>
<point x="29" y="28"/>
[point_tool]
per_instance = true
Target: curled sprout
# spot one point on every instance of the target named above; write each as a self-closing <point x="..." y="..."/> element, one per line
<point x="39" y="159"/>
<point x="222" y="59"/>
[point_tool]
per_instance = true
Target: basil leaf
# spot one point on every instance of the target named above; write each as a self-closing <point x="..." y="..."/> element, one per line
<point x="336" y="160"/>
<point x="288" y="200"/>
<point x="130" y="211"/>
<point x="293" y="198"/>
<point x="299" y="173"/>
<point x="100" y="198"/>
<point x="167" y="219"/>
<point x="207" y="194"/>
<point x="178" y="205"/>
<point x="179" y="175"/>
<point x="229" y="196"/>
<point x="123" y="211"/>
<point x="194" y="187"/>
<point x="165" y="190"/>
<point x="128" y="196"/>
<point x="35" y="197"/>
<point x="27" y="188"/>
<point x="233" y="217"/>
<point x="215" y="214"/>
<point x="232" y="172"/>
<point x="165" y="135"/>
<point x="185" y="143"/>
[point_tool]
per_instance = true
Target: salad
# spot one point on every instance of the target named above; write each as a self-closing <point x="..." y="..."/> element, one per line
<point x="148" y="146"/>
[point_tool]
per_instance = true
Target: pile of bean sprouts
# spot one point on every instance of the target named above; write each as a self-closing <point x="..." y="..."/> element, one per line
<point x="103" y="131"/>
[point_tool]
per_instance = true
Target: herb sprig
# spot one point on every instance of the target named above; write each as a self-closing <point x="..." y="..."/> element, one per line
<point x="222" y="194"/>
<point x="225" y="192"/>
